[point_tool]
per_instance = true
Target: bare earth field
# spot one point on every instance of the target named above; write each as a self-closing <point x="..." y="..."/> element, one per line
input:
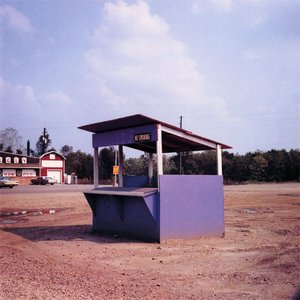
<point x="48" y="250"/>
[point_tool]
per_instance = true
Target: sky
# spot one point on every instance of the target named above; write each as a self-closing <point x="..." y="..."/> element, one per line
<point x="230" y="68"/>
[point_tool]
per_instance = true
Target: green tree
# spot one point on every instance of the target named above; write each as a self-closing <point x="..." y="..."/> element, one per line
<point x="66" y="150"/>
<point x="107" y="161"/>
<point x="43" y="143"/>
<point x="79" y="163"/>
<point x="258" y="167"/>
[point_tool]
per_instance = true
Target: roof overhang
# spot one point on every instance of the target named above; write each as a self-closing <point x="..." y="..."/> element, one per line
<point x="174" y="139"/>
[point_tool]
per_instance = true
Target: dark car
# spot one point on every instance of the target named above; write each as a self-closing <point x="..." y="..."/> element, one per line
<point x="39" y="181"/>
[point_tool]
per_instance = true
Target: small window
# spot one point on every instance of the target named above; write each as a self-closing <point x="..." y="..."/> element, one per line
<point x="8" y="160"/>
<point x="24" y="160"/>
<point x="1" y="160"/>
<point x="16" y="160"/>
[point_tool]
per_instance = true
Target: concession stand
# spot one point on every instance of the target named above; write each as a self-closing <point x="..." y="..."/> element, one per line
<point x="155" y="207"/>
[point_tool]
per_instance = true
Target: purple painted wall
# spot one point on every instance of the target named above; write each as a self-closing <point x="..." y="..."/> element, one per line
<point x="136" y="217"/>
<point x="123" y="136"/>
<point x="187" y="206"/>
<point x="191" y="206"/>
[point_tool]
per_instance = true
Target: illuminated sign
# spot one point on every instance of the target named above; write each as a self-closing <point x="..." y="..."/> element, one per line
<point x="142" y="137"/>
<point x="16" y="160"/>
<point x="1" y="160"/>
<point x="8" y="160"/>
<point x="24" y="160"/>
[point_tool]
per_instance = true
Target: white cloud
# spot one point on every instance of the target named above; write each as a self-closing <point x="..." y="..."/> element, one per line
<point x="15" y="19"/>
<point x="224" y="5"/>
<point x="139" y="66"/>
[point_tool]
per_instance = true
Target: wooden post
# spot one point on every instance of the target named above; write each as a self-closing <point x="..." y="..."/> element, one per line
<point x="159" y="153"/>
<point x="96" y="168"/>
<point x="120" y="166"/>
<point x="219" y="159"/>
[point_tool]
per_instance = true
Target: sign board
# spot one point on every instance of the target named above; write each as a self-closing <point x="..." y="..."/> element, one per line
<point x="9" y="173"/>
<point x="28" y="173"/>
<point x="142" y="137"/>
<point x="116" y="170"/>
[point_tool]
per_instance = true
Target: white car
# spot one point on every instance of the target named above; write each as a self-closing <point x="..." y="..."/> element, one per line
<point x="8" y="182"/>
<point x="50" y="179"/>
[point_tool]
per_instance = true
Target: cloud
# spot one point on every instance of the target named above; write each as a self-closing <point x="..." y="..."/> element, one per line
<point x="138" y="66"/>
<point x="224" y="5"/>
<point x="15" y="19"/>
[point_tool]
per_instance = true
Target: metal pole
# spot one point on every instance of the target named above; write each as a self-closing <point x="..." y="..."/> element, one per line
<point x="96" y="168"/>
<point x="116" y="163"/>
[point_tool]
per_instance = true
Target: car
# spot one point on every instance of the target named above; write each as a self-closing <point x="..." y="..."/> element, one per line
<point x="39" y="181"/>
<point x="8" y="182"/>
<point x="51" y="180"/>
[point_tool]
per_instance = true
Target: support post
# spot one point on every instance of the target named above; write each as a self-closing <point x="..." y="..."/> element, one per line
<point x="150" y="169"/>
<point x="219" y="160"/>
<point x="96" y="168"/>
<point x="159" y="153"/>
<point x="120" y="166"/>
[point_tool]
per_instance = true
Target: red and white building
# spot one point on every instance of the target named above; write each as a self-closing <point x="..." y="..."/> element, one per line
<point x="24" y="168"/>
<point x="53" y="165"/>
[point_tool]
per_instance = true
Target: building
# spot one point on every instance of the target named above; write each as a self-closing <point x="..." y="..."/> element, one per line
<point x="158" y="206"/>
<point x="24" y="168"/>
<point x="53" y="165"/>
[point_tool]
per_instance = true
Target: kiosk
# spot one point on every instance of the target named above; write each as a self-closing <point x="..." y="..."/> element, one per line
<point x="160" y="207"/>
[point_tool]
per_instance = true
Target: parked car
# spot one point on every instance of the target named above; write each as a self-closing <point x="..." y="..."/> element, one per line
<point x="8" y="182"/>
<point x="50" y="179"/>
<point x="39" y="181"/>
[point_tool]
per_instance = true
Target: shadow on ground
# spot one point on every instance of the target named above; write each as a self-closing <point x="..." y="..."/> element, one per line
<point x="67" y="233"/>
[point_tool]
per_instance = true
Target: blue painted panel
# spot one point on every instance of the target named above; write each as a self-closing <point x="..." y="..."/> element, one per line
<point x="129" y="216"/>
<point x="135" y="181"/>
<point x="191" y="206"/>
<point x="123" y="136"/>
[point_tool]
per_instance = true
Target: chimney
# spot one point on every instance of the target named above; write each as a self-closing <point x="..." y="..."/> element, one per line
<point x="28" y="148"/>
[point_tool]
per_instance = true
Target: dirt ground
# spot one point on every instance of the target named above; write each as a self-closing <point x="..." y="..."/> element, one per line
<point x="48" y="250"/>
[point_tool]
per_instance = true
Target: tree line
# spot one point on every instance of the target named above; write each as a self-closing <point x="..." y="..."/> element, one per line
<point x="259" y="166"/>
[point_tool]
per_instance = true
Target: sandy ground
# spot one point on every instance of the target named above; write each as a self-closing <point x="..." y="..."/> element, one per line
<point x="50" y="252"/>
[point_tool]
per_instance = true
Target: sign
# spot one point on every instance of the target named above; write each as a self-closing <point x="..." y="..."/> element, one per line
<point x="1" y="160"/>
<point x="9" y="173"/>
<point x="8" y="160"/>
<point x="52" y="156"/>
<point x="142" y="137"/>
<point x="16" y="160"/>
<point x="116" y="170"/>
<point x="28" y="173"/>
<point x="24" y="160"/>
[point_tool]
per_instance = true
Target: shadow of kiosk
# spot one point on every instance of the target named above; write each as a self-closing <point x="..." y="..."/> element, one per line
<point x="156" y="208"/>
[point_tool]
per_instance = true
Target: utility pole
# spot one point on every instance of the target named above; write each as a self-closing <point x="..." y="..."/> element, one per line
<point x="44" y="140"/>
<point x="180" y="123"/>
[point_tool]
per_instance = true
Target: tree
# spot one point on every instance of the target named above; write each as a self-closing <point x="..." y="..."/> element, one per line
<point x="107" y="161"/>
<point x="43" y="143"/>
<point x="79" y="163"/>
<point x="10" y="140"/>
<point x="66" y="150"/>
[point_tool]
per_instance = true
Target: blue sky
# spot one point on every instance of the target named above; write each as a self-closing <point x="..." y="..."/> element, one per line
<point x="231" y="68"/>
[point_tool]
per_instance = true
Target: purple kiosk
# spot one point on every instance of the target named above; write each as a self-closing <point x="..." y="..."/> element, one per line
<point x="161" y="207"/>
